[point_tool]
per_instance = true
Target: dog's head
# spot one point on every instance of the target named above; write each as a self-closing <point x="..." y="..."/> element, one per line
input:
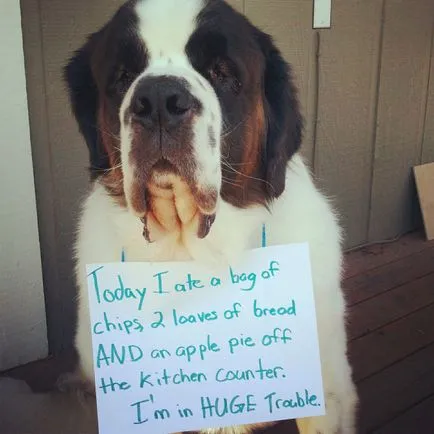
<point x="183" y="104"/>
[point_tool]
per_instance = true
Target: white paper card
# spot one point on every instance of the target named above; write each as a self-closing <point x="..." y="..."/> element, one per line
<point x="179" y="346"/>
<point x="322" y="14"/>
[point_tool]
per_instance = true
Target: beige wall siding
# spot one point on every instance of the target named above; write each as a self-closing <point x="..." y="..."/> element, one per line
<point x="237" y="4"/>
<point x="428" y="138"/>
<point x="366" y="88"/>
<point x="401" y="113"/>
<point x="348" y="71"/>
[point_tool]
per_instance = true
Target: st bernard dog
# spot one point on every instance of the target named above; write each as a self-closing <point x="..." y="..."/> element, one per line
<point x="193" y="128"/>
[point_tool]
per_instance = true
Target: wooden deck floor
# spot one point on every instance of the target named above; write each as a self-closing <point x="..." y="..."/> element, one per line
<point x="390" y="291"/>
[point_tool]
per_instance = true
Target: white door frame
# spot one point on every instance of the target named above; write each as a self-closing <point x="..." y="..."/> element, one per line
<point x="23" y="329"/>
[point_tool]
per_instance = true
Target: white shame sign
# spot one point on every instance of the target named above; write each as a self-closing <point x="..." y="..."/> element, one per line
<point x="179" y="346"/>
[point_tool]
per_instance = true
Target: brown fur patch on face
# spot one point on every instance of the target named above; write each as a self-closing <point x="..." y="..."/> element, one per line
<point x="243" y="182"/>
<point x="112" y="179"/>
<point x="253" y="142"/>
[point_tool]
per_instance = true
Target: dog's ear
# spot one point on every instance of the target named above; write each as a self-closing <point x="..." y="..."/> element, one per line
<point x="284" y="120"/>
<point x="83" y="94"/>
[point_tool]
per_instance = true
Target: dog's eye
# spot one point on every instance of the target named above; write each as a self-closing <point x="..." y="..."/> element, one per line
<point x="222" y="74"/>
<point x="219" y="71"/>
<point x="123" y="80"/>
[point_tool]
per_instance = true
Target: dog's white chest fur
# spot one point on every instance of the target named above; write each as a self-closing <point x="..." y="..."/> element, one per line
<point x="301" y="214"/>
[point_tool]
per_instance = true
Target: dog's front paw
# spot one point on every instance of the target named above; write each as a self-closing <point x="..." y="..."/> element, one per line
<point x="229" y="430"/>
<point x="315" y="425"/>
<point x="322" y="425"/>
<point x="74" y="382"/>
<point x="238" y="429"/>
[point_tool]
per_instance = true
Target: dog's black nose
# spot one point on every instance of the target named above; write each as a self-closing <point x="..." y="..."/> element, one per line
<point x="161" y="100"/>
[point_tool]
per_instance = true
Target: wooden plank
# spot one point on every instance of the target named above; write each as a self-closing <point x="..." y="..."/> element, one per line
<point x="425" y="187"/>
<point x="373" y="256"/>
<point x="377" y="350"/>
<point x="290" y="24"/>
<point x="428" y="136"/>
<point x="390" y="306"/>
<point x="379" y="280"/>
<point x="348" y="72"/>
<point x="387" y="394"/>
<point x="401" y="113"/>
<point x="419" y="419"/>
